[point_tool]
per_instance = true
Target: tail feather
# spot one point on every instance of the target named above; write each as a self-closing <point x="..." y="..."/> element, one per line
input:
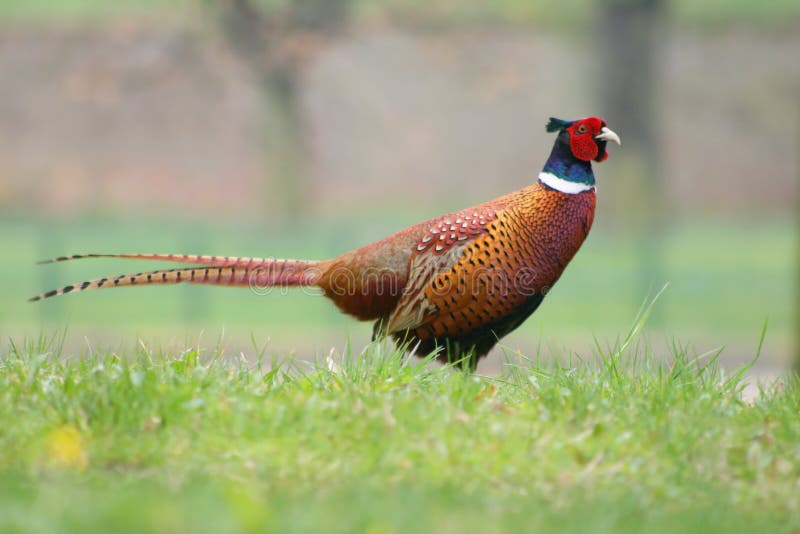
<point x="213" y="261"/>
<point x="265" y="273"/>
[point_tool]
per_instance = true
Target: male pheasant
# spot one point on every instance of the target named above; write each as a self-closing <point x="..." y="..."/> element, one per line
<point x="456" y="283"/>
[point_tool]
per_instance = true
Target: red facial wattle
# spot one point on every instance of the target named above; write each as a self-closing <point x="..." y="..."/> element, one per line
<point x="582" y="140"/>
<point x="583" y="146"/>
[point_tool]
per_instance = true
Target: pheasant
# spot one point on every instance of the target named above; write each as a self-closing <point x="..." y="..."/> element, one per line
<point x="454" y="284"/>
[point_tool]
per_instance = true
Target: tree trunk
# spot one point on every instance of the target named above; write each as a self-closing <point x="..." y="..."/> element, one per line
<point x="285" y="149"/>
<point x="277" y="40"/>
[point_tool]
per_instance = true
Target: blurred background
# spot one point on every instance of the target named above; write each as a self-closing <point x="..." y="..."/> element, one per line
<point x="305" y="128"/>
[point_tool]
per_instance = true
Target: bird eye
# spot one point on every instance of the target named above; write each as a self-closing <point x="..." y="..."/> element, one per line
<point x="582" y="128"/>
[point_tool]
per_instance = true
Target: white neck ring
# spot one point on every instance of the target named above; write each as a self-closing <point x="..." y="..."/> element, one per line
<point x="565" y="186"/>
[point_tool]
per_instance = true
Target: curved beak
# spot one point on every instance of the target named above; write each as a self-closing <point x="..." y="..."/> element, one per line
<point x="607" y="134"/>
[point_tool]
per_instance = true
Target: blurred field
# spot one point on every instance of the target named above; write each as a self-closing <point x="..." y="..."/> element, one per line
<point x="135" y="126"/>
<point x="475" y="11"/>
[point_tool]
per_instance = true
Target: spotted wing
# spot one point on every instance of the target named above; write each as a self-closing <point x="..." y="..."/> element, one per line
<point x="491" y="278"/>
<point x="436" y="252"/>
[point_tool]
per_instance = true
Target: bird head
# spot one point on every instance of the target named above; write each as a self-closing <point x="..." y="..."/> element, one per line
<point x="587" y="137"/>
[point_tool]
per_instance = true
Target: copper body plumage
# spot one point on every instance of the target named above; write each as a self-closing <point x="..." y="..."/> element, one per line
<point x="454" y="284"/>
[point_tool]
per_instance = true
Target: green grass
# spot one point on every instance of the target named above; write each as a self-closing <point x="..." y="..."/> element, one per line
<point x="149" y="439"/>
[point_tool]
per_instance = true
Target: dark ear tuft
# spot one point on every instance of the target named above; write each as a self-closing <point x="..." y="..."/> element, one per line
<point x="558" y="125"/>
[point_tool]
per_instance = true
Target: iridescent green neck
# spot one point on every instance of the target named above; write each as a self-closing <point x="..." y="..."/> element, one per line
<point x="565" y="166"/>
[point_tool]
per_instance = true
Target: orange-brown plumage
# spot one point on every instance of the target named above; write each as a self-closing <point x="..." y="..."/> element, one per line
<point x="522" y="254"/>
<point x="456" y="283"/>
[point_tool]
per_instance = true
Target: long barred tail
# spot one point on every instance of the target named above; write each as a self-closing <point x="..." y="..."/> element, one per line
<point x="214" y="261"/>
<point x="211" y="270"/>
